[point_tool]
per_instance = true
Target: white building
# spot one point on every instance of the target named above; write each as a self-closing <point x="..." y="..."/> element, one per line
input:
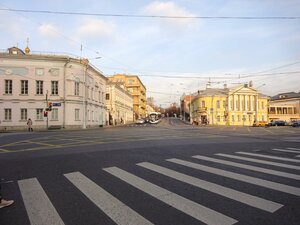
<point x="119" y="104"/>
<point x="29" y="82"/>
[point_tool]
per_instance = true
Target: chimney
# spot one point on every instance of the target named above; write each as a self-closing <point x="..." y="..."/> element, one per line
<point x="208" y="86"/>
<point x="250" y="83"/>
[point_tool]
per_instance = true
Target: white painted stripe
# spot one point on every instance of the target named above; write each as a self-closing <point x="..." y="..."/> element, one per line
<point x="248" y="167"/>
<point x="294" y="149"/>
<point x="244" y="178"/>
<point x="251" y="200"/>
<point x="284" y="150"/>
<point x="269" y="157"/>
<point x="38" y="206"/>
<point x="297" y="155"/>
<point x="259" y="161"/>
<point x="115" y="209"/>
<point x="202" y="213"/>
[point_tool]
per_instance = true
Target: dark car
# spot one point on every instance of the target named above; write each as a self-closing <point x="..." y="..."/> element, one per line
<point x="296" y="123"/>
<point x="277" y="123"/>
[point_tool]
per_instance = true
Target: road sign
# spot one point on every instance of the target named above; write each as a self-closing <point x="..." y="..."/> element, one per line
<point x="57" y="104"/>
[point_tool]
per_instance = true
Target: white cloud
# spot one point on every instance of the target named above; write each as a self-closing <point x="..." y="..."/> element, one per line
<point x="49" y="31"/>
<point x="94" y="28"/>
<point x="158" y="8"/>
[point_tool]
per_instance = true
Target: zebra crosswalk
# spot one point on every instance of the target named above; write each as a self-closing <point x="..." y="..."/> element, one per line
<point x="40" y="208"/>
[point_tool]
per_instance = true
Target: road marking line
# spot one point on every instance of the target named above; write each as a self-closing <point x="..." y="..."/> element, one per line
<point x="3" y="150"/>
<point x="111" y="206"/>
<point x="187" y="206"/>
<point x="284" y="150"/>
<point x="260" y="161"/>
<point x="269" y="157"/>
<point x="269" y="131"/>
<point x="244" y="178"/>
<point x="248" y="129"/>
<point x="248" y="199"/>
<point x="253" y="168"/>
<point x="38" y="206"/>
<point x="294" y="149"/>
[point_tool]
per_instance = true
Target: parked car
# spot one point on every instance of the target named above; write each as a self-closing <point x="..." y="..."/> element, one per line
<point x="260" y="124"/>
<point x="141" y="121"/>
<point x="277" y="123"/>
<point x="296" y="123"/>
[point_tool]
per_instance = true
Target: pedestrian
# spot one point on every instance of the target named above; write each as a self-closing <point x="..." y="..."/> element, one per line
<point x="29" y="124"/>
<point x="4" y="203"/>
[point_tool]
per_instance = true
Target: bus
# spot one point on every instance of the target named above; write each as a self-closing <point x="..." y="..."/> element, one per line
<point x="154" y="117"/>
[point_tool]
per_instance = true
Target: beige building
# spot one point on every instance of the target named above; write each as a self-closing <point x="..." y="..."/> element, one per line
<point x="240" y="105"/>
<point x="119" y="104"/>
<point x="30" y="82"/>
<point x="137" y="89"/>
<point x="285" y="106"/>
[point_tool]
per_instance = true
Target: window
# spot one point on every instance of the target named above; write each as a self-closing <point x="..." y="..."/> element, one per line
<point x="249" y="117"/>
<point x="224" y="104"/>
<point x="263" y="118"/>
<point x="8" y="86"/>
<point x="54" y="87"/>
<point x="203" y="104"/>
<point x="39" y="87"/>
<point x="239" y="118"/>
<point x="76" y="90"/>
<point x="7" y="114"/>
<point x="92" y="93"/>
<point x="54" y="114"/>
<point x="244" y="117"/>
<point x="262" y="105"/>
<point x="24" y="87"/>
<point x="23" y="114"/>
<point x="218" y="118"/>
<point x="218" y="104"/>
<point x="107" y="97"/>
<point x="130" y="81"/>
<point x="77" y="114"/>
<point x="232" y="118"/>
<point x="39" y="114"/>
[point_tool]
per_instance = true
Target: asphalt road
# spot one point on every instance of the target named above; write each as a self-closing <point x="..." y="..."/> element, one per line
<point x="167" y="174"/>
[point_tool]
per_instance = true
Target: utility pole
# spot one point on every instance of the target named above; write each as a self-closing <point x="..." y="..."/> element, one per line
<point x="47" y="126"/>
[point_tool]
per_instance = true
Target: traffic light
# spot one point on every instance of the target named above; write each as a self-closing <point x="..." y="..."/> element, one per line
<point x="50" y="106"/>
<point x="45" y="114"/>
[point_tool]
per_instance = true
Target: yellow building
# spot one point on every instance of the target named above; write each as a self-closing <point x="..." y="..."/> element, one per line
<point x="137" y="89"/>
<point x="240" y="105"/>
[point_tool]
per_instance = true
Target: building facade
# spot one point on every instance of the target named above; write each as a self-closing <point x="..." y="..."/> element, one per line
<point x="137" y="89"/>
<point x="285" y="106"/>
<point x="240" y="105"/>
<point x="119" y="104"/>
<point x="30" y="83"/>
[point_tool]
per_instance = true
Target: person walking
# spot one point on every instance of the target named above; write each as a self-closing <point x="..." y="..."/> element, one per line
<point x="29" y="124"/>
<point x="3" y="202"/>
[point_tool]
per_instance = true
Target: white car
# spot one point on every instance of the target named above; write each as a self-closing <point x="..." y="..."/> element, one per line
<point x="140" y="121"/>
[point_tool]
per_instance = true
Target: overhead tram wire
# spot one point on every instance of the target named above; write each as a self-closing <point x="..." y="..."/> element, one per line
<point x="156" y="16"/>
<point x="66" y="37"/>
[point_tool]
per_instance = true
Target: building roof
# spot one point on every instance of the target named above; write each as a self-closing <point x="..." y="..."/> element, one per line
<point x="17" y="53"/>
<point x="287" y="95"/>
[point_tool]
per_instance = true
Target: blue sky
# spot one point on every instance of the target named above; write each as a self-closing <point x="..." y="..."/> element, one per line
<point x="153" y="47"/>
